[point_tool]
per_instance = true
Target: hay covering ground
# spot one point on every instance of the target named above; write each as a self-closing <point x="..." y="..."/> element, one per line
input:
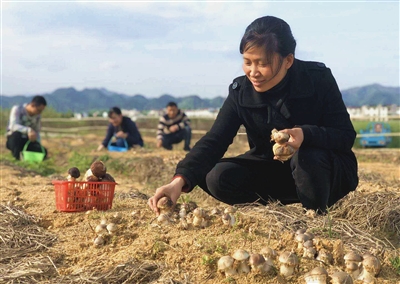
<point x="42" y="245"/>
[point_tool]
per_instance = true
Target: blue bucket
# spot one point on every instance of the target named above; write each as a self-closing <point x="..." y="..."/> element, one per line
<point x="112" y="148"/>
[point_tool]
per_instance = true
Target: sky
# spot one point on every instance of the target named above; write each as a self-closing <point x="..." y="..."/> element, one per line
<point x="184" y="48"/>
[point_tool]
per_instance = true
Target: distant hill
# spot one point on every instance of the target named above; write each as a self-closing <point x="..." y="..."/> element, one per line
<point x="371" y="95"/>
<point x="69" y="99"/>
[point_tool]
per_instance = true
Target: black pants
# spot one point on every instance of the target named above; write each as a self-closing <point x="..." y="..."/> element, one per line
<point x="16" y="142"/>
<point x="177" y="137"/>
<point x="315" y="177"/>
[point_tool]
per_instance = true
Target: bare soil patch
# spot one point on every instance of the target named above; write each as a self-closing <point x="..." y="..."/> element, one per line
<point x="42" y="245"/>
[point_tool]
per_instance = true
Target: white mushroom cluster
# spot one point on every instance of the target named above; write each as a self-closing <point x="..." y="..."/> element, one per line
<point x="243" y="262"/>
<point x="102" y="230"/>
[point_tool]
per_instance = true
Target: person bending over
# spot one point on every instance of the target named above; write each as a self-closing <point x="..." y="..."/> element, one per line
<point x="299" y="98"/>
<point x="24" y="125"/>
<point x="121" y="128"/>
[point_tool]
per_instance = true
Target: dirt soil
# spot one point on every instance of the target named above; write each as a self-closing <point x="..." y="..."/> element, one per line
<point x="143" y="250"/>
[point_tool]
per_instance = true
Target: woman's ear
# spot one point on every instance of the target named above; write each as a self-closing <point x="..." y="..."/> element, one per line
<point x="289" y="61"/>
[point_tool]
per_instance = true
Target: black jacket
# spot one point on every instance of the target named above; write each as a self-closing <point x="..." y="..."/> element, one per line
<point x="311" y="100"/>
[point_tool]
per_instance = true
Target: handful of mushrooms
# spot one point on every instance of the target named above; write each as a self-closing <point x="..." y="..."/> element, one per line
<point x="281" y="150"/>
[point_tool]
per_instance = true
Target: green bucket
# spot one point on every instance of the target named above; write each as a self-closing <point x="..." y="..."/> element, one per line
<point x="30" y="156"/>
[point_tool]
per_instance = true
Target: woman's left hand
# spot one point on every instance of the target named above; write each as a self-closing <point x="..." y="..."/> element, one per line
<point x="296" y="137"/>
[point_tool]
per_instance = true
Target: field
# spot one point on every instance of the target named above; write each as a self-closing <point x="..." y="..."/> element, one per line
<point x="42" y="245"/>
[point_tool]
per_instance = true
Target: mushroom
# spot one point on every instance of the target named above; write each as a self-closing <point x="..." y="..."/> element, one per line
<point x="371" y="266"/>
<point x="98" y="169"/>
<point x="308" y="249"/>
<point x="98" y="241"/>
<point x="318" y="275"/>
<point x="101" y="229"/>
<point x="289" y="262"/>
<point x="279" y="137"/>
<point x="182" y="213"/>
<point x="352" y="262"/>
<point x="258" y="263"/>
<point x="165" y="205"/>
<point x="309" y="235"/>
<point x="228" y="219"/>
<point x="108" y="177"/>
<point x="353" y="269"/>
<point x="73" y="174"/>
<point x="241" y="256"/>
<point x="300" y="239"/>
<point x="112" y="228"/>
<point x="268" y="253"/>
<point x="183" y="224"/>
<point x="325" y="256"/>
<point x="300" y="231"/>
<point x="163" y="219"/>
<point x="341" y="277"/>
<point x="230" y="210"/>
<point x="198" y="219"/>
<point x="215" y="211"/>
<point x="225" y="265"/>
<point x="352" y="257"/>
<point x="282" y="152"/>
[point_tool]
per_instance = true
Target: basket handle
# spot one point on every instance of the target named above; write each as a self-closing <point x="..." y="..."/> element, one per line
<point x="27" y="143"/>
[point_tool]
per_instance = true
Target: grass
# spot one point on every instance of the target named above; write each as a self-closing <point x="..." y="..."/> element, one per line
<point x="396" y="264"/>
<point x="44" y="168"/>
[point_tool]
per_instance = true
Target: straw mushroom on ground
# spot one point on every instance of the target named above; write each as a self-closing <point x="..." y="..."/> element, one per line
<point x="225" y="265"/>
<point x="228" y="219"/>
<point x="309" y="250"/>
<point x="318" y="275"/>
<point x="325" y="256"/>
<point x="301" y="239"/>
<point x="269" y="253"/>
<point x="341" y="277"/>
<point x="241" y="257"/>
<point x="258" y="263"/>
<point x="352" y="262"/>
<point x="371" y="266"/>
<point x="112" y="228"/>
<point x="165" y="205"/>
<point x="98" y="241"/>
<point x="288" y="262"/>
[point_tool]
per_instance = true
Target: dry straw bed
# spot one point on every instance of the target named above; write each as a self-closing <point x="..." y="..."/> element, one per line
<point x="357" y="221"/>
<point x="22" y="240"/>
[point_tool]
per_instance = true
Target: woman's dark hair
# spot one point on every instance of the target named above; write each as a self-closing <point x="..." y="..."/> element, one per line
<point x="272" y="34"/>
<point x="38" y="101"/>
<point x="115" y="110"/>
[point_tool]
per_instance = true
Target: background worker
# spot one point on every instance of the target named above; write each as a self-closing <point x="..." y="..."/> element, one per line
<point x="173" y="127"/>
<point x="123" y="129"/>
<point x="24" y="125"/>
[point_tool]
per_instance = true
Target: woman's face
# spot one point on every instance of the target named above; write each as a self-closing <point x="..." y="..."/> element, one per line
<point x="263" y="74"/>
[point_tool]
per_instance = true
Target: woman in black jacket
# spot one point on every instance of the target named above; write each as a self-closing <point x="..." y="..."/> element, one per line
<point x="278" y="91"/>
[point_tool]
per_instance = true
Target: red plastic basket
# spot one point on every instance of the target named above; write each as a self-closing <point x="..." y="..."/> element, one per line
<point x="83" y="196"/>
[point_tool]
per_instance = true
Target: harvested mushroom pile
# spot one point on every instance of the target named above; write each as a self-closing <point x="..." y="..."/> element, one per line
<point x="93" y="191"/>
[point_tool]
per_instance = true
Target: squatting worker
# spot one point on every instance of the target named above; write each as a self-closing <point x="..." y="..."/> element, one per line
<point x="279" y="91"/>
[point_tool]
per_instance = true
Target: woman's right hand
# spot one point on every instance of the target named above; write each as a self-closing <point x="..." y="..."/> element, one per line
<point x="172" y="190"/>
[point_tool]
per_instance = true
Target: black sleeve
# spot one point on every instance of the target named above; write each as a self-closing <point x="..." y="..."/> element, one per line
<point x="336" y="132"/>
<point x="212" y="146"/>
